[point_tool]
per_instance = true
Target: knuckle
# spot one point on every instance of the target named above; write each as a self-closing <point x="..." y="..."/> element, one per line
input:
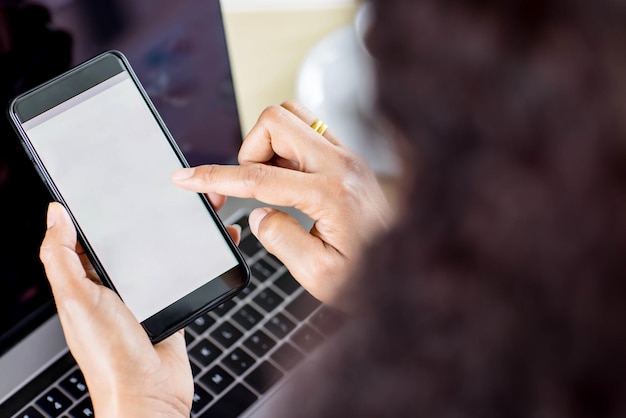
<point x="336" y="187"/>
<point x="271" y="231"/>
<point x="291" y="103"/>
<point x="272" y="112"/>
<point x="353" y="163"/>
<point x="268" y="233"/>
<point x="292" y="106"/>
<point x="205" y="173"/>
<point x="254" y="175"/>
<point x="46" y="253"/>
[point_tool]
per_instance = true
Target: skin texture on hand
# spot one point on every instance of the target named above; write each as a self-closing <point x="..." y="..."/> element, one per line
<point x="284" y="162"/>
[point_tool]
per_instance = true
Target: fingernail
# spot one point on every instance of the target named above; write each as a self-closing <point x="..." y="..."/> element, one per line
<point x="182" y="174"/>
<point x="51" y="217"/>
<point x="255" y="218"/>
<point x="53" y="214"/>
<point x="237" y="227"/>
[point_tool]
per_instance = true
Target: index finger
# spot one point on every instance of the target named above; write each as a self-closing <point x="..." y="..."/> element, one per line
<point x="268" y="184"/>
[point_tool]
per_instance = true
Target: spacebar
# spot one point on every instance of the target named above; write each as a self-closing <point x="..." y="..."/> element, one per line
<point x="232" y="404"/>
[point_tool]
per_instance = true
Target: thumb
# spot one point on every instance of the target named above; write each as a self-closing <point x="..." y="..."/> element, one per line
<point x="58" y="253"/>
<point x="277" y="231"/>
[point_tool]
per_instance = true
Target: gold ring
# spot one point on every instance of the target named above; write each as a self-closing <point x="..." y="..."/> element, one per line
<point x="319" y="126"/>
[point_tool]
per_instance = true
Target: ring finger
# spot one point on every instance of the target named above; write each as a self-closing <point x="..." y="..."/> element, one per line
<point x="309" y="118"/>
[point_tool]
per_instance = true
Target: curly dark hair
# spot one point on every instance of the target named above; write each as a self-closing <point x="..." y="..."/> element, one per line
<point x="501" y="292"/>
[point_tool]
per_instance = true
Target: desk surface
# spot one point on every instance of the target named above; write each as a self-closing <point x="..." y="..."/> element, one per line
<point x="267" y="49"/>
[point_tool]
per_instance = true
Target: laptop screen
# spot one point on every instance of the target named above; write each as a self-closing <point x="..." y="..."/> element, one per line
<point x="177" y="49"/>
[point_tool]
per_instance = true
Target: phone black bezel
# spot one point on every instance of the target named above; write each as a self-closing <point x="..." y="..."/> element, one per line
<point x="73" y="82"/>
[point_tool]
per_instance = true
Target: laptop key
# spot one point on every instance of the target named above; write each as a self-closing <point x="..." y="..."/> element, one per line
<point x="83" y="410"/>
<point x="287" y="356"/>
<point x="75" y="384"/>
<point x="287" y="283"/>
<point x="201" y="398"/>
<point x="201" y="324"/>
<point x="30" y="412"/>
<point x="53" y="403"/>
<point x="280" y="326"/>
<point x="238" y="361"/>
<point x="236" y="401"/>
<point x="263" y="377"/>
<point x="259" y="343"/>
<point x="205" y="352"/>
<point x="216" y="379"/>
<point x="243" y="222"/>
<point x="262" y="270"/>
<point x="226" y="334"/>
<point x="302" y="306"/>
<point x="246" y="291"/>
<point x="247" y="317"/>
<point x="250" y="245"/>
<point x="268" y="300"/>
<point x="327" y="320"/>
<point x="223" y="309"/>
<point x="307" y="339"/>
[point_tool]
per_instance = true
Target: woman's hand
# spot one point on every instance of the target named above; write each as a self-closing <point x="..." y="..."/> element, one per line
<point x="284" y="162"/>
<point x="127" y="376"/>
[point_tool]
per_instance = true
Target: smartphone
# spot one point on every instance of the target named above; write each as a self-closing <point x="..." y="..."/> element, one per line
<point x="104" y="152"/>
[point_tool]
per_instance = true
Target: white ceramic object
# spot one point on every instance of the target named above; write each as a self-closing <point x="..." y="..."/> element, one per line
<point x="336" y="82"/>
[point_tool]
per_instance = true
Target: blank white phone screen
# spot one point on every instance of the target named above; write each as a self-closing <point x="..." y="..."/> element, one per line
<point x="111" y="163"/>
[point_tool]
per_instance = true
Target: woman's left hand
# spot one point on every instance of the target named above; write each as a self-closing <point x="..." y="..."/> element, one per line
<point x="127" y="376"/>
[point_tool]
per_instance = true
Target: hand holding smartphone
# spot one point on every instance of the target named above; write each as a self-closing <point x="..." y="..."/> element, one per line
<point x="100" y="146"/>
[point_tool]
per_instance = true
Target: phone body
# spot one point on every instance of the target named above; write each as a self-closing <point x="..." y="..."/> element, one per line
<point x="103" y="151"/>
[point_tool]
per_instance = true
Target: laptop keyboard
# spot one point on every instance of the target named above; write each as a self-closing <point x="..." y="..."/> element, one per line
<point x="238" y="351"/>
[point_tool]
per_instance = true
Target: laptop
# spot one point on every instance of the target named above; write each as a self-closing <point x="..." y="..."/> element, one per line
<point x="241" y="353"/>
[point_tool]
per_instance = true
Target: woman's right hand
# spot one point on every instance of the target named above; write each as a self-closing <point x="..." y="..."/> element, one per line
<point x="284" y="162"/>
